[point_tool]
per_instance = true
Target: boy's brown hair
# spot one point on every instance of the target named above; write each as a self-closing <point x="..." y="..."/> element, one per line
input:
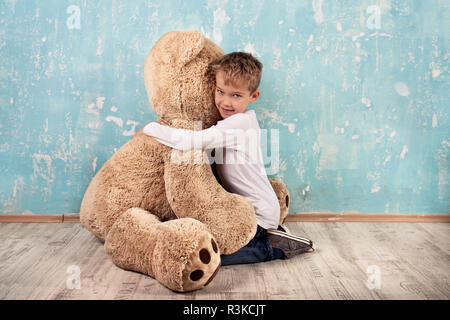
<point x="238" y="67"/>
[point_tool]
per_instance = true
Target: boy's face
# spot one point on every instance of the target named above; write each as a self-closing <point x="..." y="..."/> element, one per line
<point x="231" y="99"/>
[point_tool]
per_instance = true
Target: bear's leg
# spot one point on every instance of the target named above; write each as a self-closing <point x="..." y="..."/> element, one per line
<point x="88" y="217"/>
<point x="283" y="197"/>
<point x="180" y="253"/>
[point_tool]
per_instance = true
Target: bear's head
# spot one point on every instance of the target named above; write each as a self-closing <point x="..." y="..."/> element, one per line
<point x="179" y="86"/>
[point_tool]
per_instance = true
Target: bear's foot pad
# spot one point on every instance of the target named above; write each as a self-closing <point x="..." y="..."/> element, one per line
<point x="203" y="265"/>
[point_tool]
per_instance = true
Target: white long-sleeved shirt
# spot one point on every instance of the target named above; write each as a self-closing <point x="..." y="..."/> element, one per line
<point x="238" y="158"/>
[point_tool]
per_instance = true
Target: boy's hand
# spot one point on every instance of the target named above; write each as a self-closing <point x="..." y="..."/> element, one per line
<point x="163" y="122"/>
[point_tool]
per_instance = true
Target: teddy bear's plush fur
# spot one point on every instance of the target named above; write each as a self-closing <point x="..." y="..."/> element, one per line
<point x="283" y="197"/>
<point x="159" y="211"/>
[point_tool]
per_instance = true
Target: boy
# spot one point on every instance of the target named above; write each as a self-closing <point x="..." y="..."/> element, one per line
<point x="238" y="76"/>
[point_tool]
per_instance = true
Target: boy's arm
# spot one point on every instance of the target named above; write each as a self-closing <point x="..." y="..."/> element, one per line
<point x="224" y="134"/>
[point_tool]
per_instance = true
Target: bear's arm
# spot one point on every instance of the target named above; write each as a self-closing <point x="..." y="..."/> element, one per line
<point x="193" y="192"/>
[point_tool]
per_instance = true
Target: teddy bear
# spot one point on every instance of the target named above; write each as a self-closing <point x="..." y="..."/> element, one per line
<point x="162" y="212"/>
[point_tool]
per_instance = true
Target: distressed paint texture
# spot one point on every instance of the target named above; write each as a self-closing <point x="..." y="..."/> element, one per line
<point x="362" y="112"/>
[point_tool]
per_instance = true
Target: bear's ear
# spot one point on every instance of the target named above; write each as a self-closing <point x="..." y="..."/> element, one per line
<point x="190" y="45"/>
<point x="177" y="48"/>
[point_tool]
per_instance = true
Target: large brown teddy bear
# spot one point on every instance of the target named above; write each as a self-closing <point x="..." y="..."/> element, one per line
<point x="156" y="212"/>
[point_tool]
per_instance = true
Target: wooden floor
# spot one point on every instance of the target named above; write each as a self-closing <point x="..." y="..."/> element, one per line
<point x="353" y="260"/>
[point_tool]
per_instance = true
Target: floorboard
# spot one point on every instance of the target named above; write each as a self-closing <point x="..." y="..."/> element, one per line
<point x="352" y="261"/>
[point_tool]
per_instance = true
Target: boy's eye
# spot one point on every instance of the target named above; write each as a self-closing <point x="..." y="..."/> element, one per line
<point x="236" y="95"/>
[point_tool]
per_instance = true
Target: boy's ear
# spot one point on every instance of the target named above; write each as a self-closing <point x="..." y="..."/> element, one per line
<point x="255" y="95"/>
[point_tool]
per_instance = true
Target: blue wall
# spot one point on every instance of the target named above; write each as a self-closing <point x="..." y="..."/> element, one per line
<point x="359" y="91"/>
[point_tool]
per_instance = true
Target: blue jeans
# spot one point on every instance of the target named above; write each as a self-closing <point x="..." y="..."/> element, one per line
<point x="259" y="249"/>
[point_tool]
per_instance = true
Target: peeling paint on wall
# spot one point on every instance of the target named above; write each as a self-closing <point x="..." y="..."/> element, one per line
<point x="359" y="92"/>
